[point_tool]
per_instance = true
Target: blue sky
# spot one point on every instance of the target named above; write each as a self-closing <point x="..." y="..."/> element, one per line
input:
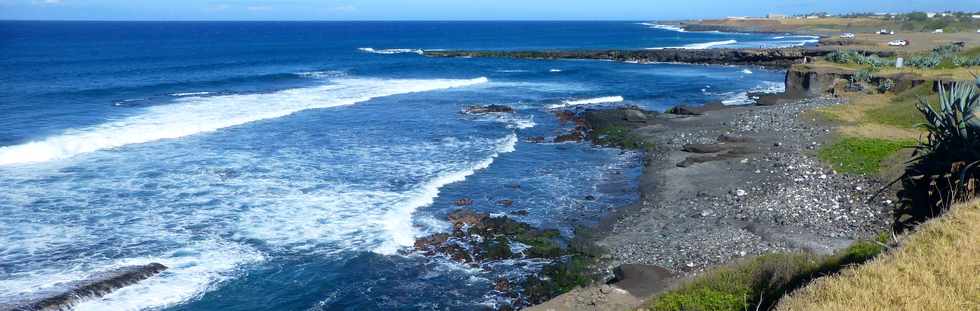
<point x="445" y="9"/>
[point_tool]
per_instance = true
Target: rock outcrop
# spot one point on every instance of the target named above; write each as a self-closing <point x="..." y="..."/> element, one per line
<point x="97" y="286"/>
<point x="783" y="57"/>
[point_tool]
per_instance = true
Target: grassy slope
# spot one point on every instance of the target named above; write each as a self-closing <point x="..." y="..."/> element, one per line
<point x="873" y="129"/>
<point x="936" y="268"/>
<point x="758" y="281"/>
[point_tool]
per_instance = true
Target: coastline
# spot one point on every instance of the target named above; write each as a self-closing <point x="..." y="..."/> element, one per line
<point x="721" y="186"/>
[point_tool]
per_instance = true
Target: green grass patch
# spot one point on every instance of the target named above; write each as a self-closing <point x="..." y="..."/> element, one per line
<point x="900" y="110"/>
<point x="854" y="155"/>
<point x="760" y="281"/>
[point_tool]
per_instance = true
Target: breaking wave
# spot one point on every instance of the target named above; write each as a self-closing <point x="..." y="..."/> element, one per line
<point x="587" y="101"/>
<point x="194" y="115"/>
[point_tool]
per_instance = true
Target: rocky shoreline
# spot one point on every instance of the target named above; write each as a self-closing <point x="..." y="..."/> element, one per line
<point x="776" y="57"/>
<point x="720" y="185"/>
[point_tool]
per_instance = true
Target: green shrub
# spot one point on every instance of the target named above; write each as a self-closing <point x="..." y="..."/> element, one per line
<point x="886" y="85"/>
<point x="863" y="156"/>
<point x="943" y="170"/>
<point x="924" y="61"/>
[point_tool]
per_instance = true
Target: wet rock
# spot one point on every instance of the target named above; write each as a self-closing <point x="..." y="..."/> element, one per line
<point x="506" y="203"/>
<point x="488" y="109"/>
<point x="431" y="241"/>
<point x="463" y="202"/>
<point x="696" y="110"/>
<point x="502" y="285"/>
<point x="590" y="198"/>
<point x="575" y="136"/>
<point x="466" y="217"/>
<point x="535" y="139"/>
<point x="97" y="286"/>
<point x="520" y="213"/>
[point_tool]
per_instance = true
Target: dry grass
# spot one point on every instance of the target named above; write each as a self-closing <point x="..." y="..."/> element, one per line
<point x="935" y="268"/>
<point x="876" y="116"/>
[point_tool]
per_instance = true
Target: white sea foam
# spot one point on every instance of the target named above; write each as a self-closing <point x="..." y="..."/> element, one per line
<point x="699" y="46"/>
<point x="742" y="98"/>
<point x="398" y="222"/>
<point x="554" y="70"/>
<point x="191" y="271"/>
<point x="747" y="71"/>
<point x="664" y="27"/>
<point x="189" y="94"/>
<point x="587" y="101"/>
<point x="322" y="74"/>
<point x="193" y="115"/>
<point x="391" y="51"/>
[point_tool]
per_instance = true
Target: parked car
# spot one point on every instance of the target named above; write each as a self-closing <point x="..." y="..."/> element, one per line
<point x="898" y="43"/>
<point x="886" y="32"/>
<point x="847" y="35"/>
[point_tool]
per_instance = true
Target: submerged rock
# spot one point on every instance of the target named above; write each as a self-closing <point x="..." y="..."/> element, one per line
<point x="488" y="109"/>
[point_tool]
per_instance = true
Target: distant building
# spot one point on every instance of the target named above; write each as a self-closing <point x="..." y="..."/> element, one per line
<point x="737" y="17"/>
<point x="930" y="14"/>
<point x="776" y="16"/>
<point x="812" y="16"/>
<point x="938" y="30"/>
<point x="976" y="16"/>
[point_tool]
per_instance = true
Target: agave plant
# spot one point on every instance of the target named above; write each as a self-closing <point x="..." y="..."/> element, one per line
<point x="942" y="170"/>
<point x="954" y="130"/>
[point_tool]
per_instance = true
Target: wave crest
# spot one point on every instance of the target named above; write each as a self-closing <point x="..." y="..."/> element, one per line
<point x="194" y="115"/>
<point x="588" y="101"/>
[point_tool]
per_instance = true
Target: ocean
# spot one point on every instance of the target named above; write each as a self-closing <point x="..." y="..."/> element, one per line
<point x="291" y="165"/>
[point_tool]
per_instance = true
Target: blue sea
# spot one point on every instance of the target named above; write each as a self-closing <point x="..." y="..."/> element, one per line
<point x="291" y="165"/>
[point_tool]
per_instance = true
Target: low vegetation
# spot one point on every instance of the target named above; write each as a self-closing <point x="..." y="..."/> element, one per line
<point x="935" y="268"/>
<point x="858" y="155"/>
<point x="619" y="136"/>
<point x="758" y="283"/>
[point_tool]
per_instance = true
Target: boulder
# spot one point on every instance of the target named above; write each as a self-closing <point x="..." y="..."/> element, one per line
<point x="506" y="203"/>
<point x="705" y="148"/>
<point x="463" y="202"/>
<point x="642" y="280"/>
<point x="466" y="217"/>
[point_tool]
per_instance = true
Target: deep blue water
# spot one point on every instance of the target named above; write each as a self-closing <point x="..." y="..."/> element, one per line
<point x="283" y="165"/>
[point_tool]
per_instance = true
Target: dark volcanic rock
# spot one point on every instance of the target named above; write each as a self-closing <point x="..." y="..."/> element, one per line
<point x="488" y="109"/>
<point x="696" y="110"/>
<point x="507" y="203"/>
<point x="642" y="280"/>
<point x="706" y="148"/>
<point x="765" y="57"/>
<point x="466" y="217"/>
<point x="535" y="139"/>
<point x="463" y="202"/>
<point x="575" y="136"/>
<point x="97" y="286"/>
